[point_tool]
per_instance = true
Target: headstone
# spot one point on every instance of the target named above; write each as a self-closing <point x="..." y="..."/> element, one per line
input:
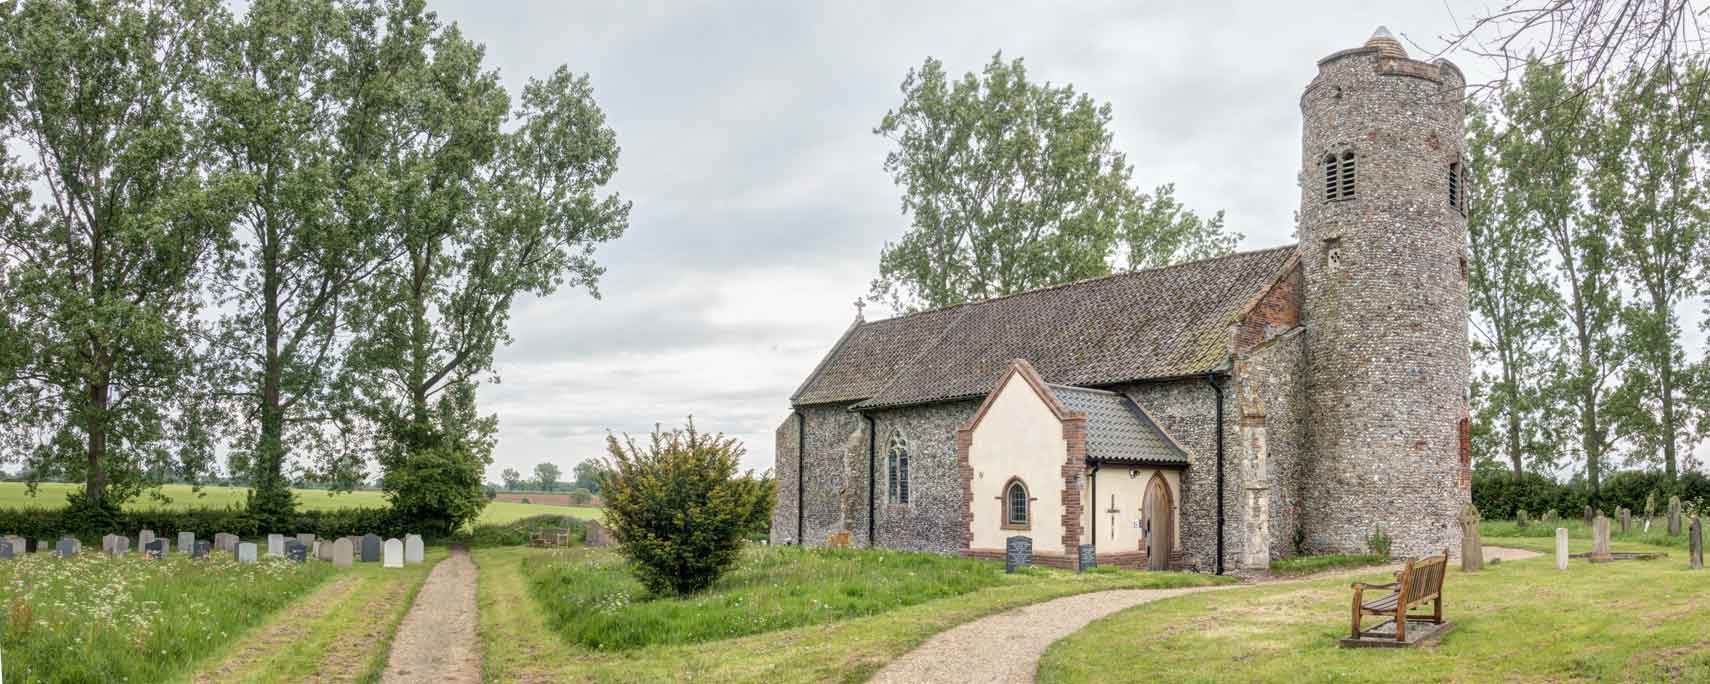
<point x="1017" y="551"/>
<point x="7" y="552"/>
<point x="186" y="542"/>
<point x="370" y="548"/>
<point x="1088" y="557"/>
<point x="19" y="545"/>
<point x="1695" y="543"/>
<point x="306" y="538"/>
<point x="323" y="549"/>
<point x="1549" y="517"/>
<point x="594" y="534"/>
<point x="413" y="550"/>
<point x="1522" y="519"/>
<point x="1588" y="514"/>
<point x="394" y="553"/>
<point x="296" y="551"/>
<point x="246" y="552"/>
<point x="1626" y="519"/>
<point x="155" y="549"/>
<point x="341" y="552"/>
<point x="1561" y="548"/>
<point x="44" y="546"/>
<point x="200" y="550"/>
<point x="226" y="541"/>
<point x="1600" y="540"/>
<point x="276" y="545"/>
<point x="121" y="545"/>
<point x="1673" y="516"/>
<point x="109" y="544"/>
<point x="1472" y="549"/>
<point x="143" y="538"/>
<point x="67" y="547"/>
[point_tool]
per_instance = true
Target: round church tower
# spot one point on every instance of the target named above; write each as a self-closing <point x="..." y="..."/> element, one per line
<point x="1382" y="235"/>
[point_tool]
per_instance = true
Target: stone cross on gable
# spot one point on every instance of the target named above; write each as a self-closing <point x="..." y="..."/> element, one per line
<point x="860" y="307"/>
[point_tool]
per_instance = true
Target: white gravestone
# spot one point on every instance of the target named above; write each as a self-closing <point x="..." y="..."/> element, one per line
<point x="186" y="542"/>
<point x="246" y="552"/>
<point x="144" y="537"/>
<point x="276" y="545"/>
<point x="394" y="555"/>
<point x="1561" y="548"/>
<point x="413" y="548"/>
<point x="341" y="552"/>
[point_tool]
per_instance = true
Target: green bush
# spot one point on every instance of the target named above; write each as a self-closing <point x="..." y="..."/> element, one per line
<point x="678" y="508"/>
<point x="37" y="523"/>
<point x="516" y="533"/>
<point x="1379" y="543"/>
<point x="1499" y="495"/>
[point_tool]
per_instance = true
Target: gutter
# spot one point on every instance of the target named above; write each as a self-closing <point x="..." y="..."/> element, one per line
<point x="801" y="468"/>
<point x="1094" y="476"/>
<point x="1211" y="379"/>
<point x="872" y="483"/>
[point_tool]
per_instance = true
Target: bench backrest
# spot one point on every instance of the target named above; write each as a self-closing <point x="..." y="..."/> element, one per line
<point x="1423" y="578"/>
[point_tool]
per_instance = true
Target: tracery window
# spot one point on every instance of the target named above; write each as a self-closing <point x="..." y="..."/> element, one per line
<point x="896" y="465"/>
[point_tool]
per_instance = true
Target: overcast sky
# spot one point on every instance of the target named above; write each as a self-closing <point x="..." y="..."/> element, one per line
<point x="761" y="203"/>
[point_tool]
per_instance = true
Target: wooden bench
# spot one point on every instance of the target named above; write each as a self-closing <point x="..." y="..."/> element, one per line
<point x="550" y="536"/>
<point x="1419" y="581"/>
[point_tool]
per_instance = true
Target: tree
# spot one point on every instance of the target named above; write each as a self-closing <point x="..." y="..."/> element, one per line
<point x="294" y="110"/>
<point x="1013" y="185"/>
<point x="512" y="478"/>
<point x="547" y="474"/>
<point x="100" y="305"/>
<point x="1514" y="302"/>
<point x="1587" y="41"/>
<point x="479" y="217"/>
<point x="679" y="508"/>
<point x="588" y="475"/>
<point x="1647" y="184"/>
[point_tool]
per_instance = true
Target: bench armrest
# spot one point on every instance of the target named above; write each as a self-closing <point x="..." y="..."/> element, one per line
<point x="1363" y="585"/>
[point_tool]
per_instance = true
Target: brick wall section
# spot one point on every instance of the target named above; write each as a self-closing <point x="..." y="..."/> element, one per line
<point x="1276" y="311"/>
<point x="1074" y="468"/>
<point x="965" y="466"/>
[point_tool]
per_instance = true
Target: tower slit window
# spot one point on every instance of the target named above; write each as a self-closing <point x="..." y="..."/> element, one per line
<point x="1331" y="183"/>
<point x="1456" y="199"/>
<point x="1347" y="175"/>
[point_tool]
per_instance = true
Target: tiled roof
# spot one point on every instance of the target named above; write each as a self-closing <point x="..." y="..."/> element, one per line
<point x="1163" y="322"/>
<point x="1117" y="430"/>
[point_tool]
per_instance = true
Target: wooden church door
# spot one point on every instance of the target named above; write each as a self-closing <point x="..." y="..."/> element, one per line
<point x="1161" y="525"/>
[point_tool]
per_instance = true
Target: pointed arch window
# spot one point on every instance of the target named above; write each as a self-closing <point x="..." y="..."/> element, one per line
<point x="896" y="468"/>
<point x="1017" y="505"/>
<point x="1339" y="176"/>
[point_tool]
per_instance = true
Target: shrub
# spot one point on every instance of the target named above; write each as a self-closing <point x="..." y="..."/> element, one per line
<point x="1379" y="543"/>
<point x="678" y="508"/>
<point x="437" y="488"/>
<point x="516" y="533"/>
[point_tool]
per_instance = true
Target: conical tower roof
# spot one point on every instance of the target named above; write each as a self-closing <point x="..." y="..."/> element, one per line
<point x="1386" y="44"/>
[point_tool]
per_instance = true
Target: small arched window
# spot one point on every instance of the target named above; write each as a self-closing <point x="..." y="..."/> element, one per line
<point x="1017" y="506"/>
<point x="896" y="465"/>
<point x="1339" y="176"/>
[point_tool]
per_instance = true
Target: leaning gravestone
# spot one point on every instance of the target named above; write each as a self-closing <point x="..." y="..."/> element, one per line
<point x="394" y="553"/>
<point x="1472" y="549"/>
<point x="155" y="549"/>
<point x="200" y="550"/>
<point x="1600" y="540"/>
<point x="1673" y="516"/>
<point x="341" y="552"/>
<point x="1561" y="548"/>
<point x="276" y="545"/>
<point x="370" y="548"/>
<point x="246" y="552"/>
<point x="296" y="551"/>
<point x="66" y="548"/>
<point x="186" y="542"/>
<point x="1017" y="552"/>
<point x="593" y="534"/>
<point x="413" y="550"/>
<point x="1088" y="556"/>
<point x="1695" y="543"/>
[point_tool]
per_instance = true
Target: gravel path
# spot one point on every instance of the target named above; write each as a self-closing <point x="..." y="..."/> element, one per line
<point x="1005" y="648"/>
<point x="436" y="641"/>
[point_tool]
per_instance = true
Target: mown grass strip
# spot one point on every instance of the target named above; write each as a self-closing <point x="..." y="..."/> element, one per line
<point x="1306" y="565"/>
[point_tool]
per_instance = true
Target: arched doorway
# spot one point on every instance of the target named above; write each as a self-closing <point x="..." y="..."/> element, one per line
<point x="1160" y="524"/>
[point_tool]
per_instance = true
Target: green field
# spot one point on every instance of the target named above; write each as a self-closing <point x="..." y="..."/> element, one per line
<point x="52" y="495"/>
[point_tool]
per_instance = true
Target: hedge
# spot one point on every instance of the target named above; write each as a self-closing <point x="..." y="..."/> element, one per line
<point x="35" y="524"/>
<point x="1499" y="495"/>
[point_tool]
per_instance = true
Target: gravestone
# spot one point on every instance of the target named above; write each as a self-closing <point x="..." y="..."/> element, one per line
<point x="44" y="546"/>
<point x="19" y="545"/>
<point x="66" y="548"/>
<point x="1017" y="552"/>
<point x="296" y="551"/>
<point x="143" y="538"/>
<point x="1600" y="540"/>
<point x="276" y="545"/>
<point x="413" y="550"/>
<point x="1673" y="516"/>
<point x="341" y="552"/>
<point x="315" y="550"/>
<point x="1088" y="556"/>
<point x="594" y="534"/>
<point x="1549" y="517"/>
<point x="394" y="553"/>
<point x="200" y="550"/>
<point x="246" y="552"/>
<point x="155" y="549"/>
<point x="306" y="538"/>
<point x="1588" y="515"/>
<point x="1695" y="543"/>
<point x="225" y="541"/>
<point x="370" y="551"/>
<point x="1626" y="519"/>
<point x="186" y="542"/>
<point x="6" y="550"/>
<point x="109" y="544"/>
<point x="1561" y="548"/>
<point x="121" y="545"/>
<point x="1472" y="549"/>
<point x="1522" y="519"/>
<point x="323" y="549"/>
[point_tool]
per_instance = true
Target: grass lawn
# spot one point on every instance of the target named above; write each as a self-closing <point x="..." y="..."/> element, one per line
<point x="1306" y="565"/>
<point x="52" y="495"/>
<point x="98" y="619"/>
<point x="1577" y="529"/>
<point x="820" y="594"/>
<point x="344" y="627"/>
<point x="1520" y="621"/>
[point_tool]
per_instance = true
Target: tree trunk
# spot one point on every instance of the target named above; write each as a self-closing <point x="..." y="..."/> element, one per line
<point x="1666" y="377"/>
<point x="95" y="481"/>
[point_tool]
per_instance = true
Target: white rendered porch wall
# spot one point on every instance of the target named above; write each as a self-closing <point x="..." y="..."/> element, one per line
<point x="1018" y="437"/>
<point x="1127" y="485"/>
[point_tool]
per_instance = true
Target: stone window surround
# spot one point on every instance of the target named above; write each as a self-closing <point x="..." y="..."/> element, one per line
<point x="897" y="469"/>
<point x="1004" y="508"/>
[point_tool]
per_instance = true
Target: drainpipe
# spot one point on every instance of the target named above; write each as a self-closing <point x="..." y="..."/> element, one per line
<point x="872" y="484"/>
<point x="1094" y="508"/>
<point x="1211" y="379"/>
<point x="801" y="469"/>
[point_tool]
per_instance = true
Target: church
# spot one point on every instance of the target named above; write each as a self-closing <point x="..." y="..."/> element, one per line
<point x="1209" y="416"/>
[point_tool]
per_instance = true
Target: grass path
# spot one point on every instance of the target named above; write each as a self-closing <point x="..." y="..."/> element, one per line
<point x="436" y="642"/>
<point x="340" y="634"/>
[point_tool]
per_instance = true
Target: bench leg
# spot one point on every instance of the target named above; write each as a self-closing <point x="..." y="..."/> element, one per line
<point x="1437" y="609"/>
<point x="1356" y="615"/>
<point x="1400" y="621"/>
